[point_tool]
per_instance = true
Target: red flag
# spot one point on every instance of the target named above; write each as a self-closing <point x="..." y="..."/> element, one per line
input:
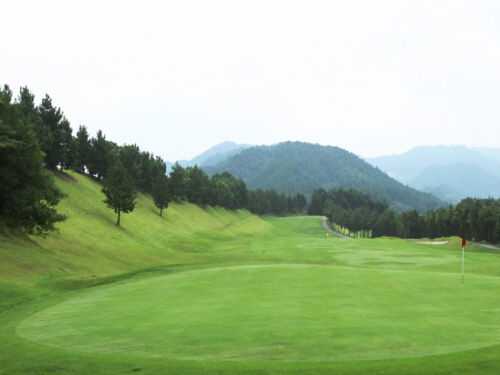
<point x="464" y="242"/>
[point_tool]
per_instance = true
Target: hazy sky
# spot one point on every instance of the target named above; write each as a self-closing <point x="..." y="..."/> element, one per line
<point x="177" y="77"/>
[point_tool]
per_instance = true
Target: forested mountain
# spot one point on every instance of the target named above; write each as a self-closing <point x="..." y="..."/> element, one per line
<point x="213" y="155"/>
<point x="297" y="167"/>
<point x="450" y="172"/>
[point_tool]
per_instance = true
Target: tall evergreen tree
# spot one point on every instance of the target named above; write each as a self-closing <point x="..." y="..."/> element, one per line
<point x="54" y="122"/>
<point x="258" y="202"/>
<point x="30" y="113"/>
<point x="83" y="148"/>
<point x="197" y="186"/>
<point x="68" y="156"/>
<point x="386" y="224"/>
<point x="318" y="200"/>
<point x="28" y="194"/>
<point x="178" y="181"/>
<point x="300" y="202"/>
<point x="161" y="193"/>
<point x="27" y="110"/>
<point x="411" y="224"/>
<point x="155" y="167"/>
<point x="103" y="154"/>
<point x="130" y="158"/>
<point x="120" y="191"/>
<point x="224" y="195"/>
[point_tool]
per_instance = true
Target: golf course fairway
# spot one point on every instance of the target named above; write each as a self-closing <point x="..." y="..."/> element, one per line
<point x="208" y="291"/>
<point x="289" y="312"/>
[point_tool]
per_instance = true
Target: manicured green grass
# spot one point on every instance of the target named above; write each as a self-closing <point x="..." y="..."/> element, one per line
<point x="218" y="292"/>
<point x="283" y="312"/>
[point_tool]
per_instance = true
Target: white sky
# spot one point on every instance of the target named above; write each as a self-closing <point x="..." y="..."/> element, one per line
<point x="177" y="77"/>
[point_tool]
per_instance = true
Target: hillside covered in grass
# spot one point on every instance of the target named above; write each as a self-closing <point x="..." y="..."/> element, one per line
<point x="89" y="245"/>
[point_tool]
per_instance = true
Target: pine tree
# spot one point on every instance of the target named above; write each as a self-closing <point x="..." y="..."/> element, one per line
<point x="161" y="193"/>
<point x="120" y="191"/>
<point x="83" y="149"/>
<point x="28" y="193"/>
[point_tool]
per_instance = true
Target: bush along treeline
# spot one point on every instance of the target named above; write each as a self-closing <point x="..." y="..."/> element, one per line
<point x="356" y="213"/>
<point x="35" y="139"/>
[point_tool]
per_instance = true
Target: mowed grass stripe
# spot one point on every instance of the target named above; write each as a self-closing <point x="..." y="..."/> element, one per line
<point x="280" y="312"/>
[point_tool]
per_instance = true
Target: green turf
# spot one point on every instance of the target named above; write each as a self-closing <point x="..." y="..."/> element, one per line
<point x="287" y="312"/>
<point x="221" y="292"/>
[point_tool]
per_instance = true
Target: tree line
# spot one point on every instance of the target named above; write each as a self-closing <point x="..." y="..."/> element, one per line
<point x="193" y="185"/>
<point x="478" y="219"/>
<point x="225" y="190"/>
<point x="353" y="210"/>
<point x="35" y="139"/>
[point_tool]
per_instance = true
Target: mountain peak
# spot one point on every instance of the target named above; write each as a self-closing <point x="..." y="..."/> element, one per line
<point x="214" y="154"/>
<point x="299" y="167"/>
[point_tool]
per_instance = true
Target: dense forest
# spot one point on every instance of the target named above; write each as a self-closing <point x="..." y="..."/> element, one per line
<point x="37" y="139"/>
<point x="478" y="219"/>
<point x="297" y="167"/>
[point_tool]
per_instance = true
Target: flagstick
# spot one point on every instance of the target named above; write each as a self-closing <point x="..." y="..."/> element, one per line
<point x="463" y="257"/>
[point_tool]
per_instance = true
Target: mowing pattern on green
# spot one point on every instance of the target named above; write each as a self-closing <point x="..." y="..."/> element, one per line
<point x="277" y="313"/>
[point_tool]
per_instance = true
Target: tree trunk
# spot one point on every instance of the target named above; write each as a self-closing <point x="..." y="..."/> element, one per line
<point x="118" y="222"/>
<point x="161" y="210"/>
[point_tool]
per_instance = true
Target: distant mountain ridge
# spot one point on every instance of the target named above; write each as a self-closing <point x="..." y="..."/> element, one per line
<point x="489" y="152"/>
<point x="450" y="172"/>
<point x="298" y="167"/>
<point x="455" y="182"/>
<point x="213" y="155"/>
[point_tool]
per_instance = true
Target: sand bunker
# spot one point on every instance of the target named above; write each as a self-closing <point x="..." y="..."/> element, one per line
<point x="433" y="242"/>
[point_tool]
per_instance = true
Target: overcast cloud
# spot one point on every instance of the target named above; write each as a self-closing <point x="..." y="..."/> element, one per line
<point x="177" y="77"/>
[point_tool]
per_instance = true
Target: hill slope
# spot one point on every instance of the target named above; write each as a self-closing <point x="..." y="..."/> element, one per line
<point x="297" y="167"/>
<point x="90" y="245"/>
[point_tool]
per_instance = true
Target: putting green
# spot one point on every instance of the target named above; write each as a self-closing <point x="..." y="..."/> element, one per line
<point x="277" y="313"/>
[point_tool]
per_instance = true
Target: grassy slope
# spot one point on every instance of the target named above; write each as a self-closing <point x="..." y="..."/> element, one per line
<point x="90" y="244"/>
<point x="91" y="250"/>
